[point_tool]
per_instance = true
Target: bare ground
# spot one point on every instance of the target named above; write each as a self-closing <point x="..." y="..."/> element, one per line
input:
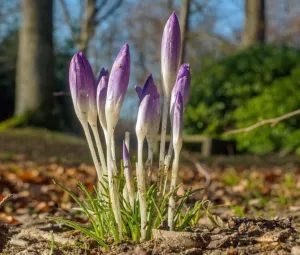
<point x="258" y="200"/>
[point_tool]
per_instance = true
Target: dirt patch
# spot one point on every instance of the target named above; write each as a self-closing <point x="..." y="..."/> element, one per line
<point x="240" y="236"/>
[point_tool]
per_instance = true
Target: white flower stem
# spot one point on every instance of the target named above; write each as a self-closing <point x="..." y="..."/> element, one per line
<point x="128" y="175"/>
<point x="113" y="149"/>
<point x="100" y="149"/>
<point x="162" y="143"/>
<point x="113" y="189"/>
<point x="126" y="195"/>
<point x="172" y="202"/>
<point x="148" y="164"/>
<point x="141" y="181"/>
<point x="92" y="149"/>
<point x="167" y="165"/>
<point x="112" y="144"/>
<point x="127" y="140"/>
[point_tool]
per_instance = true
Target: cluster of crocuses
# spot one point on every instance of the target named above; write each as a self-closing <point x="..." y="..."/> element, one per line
<point x="103" y="99"/>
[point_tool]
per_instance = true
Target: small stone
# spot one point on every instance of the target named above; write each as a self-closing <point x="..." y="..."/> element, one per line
<point x="242" y="228"/>
<point x="139" y="251"/>
<point x="193" y="251"/>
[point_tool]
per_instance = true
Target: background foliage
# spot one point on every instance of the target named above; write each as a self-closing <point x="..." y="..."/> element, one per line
<point x="256" y="83"/>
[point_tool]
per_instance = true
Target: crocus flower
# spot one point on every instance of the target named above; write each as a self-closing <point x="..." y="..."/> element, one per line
<point x="182" y="85"/>
<point x="177" y="122"/>
<point x="149" y="113"/>
<point x="170" y="52"/>
<point x="117" y="87"/>
<point x="102" y="84"/>
<point x="82" y="86"/>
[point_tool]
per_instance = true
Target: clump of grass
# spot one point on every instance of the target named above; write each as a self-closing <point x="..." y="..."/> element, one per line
<point x="102" y="225"/>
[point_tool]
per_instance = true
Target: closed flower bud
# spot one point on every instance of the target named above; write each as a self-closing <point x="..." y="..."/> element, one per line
<point x="82" y="86"/>
<point x="170" y="52"/>
<point x="117" y="87"/>
<point x="152" y="111"/>
<point x="182" y="85"/>
<point x="177" y="121"/>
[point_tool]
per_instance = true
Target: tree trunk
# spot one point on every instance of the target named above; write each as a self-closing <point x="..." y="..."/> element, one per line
<point x="254" y="29"/>
<point x="34" y="79"/>
<point x="184" y="25"/>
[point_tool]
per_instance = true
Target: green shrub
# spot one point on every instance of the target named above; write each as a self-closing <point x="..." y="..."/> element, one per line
<point x="257" y="83"/>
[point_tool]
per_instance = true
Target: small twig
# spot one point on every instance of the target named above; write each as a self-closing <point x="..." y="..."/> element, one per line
<point x="4" y="200"/>
<point x="109" y="12"/>
<point x="201" y="170"/>
<point x="199" y="167"/>
<point x="67" y="18"/>
<point x="273" y="122"/>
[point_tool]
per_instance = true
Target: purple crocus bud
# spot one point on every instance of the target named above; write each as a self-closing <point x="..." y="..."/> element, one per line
<point x="82" y="86"/>
<point x="102" y="84"/>
<point x="177" y="122"/>
<point x="182" y="85"/>
<point x="154" y="121"/>
<point x="149" y="88"/>
<point x="117" y="87"/>
<point x="170" y="51"/>
<point x="153" y="113"/>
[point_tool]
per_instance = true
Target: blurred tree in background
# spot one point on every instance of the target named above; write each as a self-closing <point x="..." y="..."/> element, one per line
<point x="8" y="53"/>
<point x="254" y="28"/>
<point x="34" y="74"/>
<point x="94" y="12"/>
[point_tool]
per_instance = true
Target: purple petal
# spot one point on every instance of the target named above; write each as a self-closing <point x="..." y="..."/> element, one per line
<point x="184" y="71"/>
<point x="182" y="85"/>
<point x="170" y="52"/>
<point x="154" y="119"/>
<point x="101" y="96"/>
<point x="102" y="73"/>
<point x="139" y="91"/>
<point x="117" y="86"/>
<point x="153" y="113"/>
<point x="149" y="110"/>
<point x="177" y="120"/>
<point x="148" y="89"/>
<point x="82" y="85"/>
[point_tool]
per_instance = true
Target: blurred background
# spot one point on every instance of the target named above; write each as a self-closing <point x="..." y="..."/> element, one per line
<point x="244" y="56"/>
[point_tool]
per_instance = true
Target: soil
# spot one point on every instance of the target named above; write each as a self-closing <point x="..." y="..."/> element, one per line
<point x="258" y="200"/>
